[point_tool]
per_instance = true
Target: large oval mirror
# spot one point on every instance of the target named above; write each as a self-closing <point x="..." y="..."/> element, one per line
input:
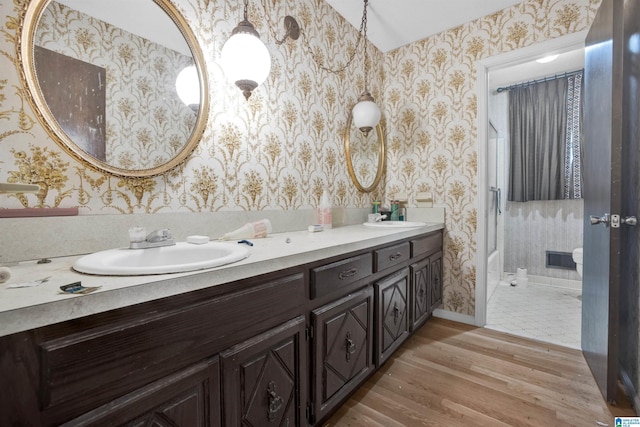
<point x="102" y="74"/>
<point x="365" y="156"/>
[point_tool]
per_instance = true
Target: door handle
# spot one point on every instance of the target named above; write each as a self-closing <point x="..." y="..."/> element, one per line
<point x="613" y="220"/>
<point x="498" y="193"/>
<point x="275" y="402"/>
<point x="628" y="220"/>
<point x="605" y="220"/>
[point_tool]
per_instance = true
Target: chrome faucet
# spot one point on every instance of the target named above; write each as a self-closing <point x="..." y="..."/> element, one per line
<point x="155" y="239"/>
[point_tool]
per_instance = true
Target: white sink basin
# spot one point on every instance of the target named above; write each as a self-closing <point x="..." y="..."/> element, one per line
<point x="178" y="258"/>
<point x="395" y="224"/>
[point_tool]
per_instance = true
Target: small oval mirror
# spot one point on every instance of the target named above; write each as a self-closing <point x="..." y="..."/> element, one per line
<point x="102" y="79"/>
<point x="365" y="156"/>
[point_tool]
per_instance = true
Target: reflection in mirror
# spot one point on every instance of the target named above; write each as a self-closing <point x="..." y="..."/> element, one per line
<point x="104" y="78"/>
<point x="365" y="156"/>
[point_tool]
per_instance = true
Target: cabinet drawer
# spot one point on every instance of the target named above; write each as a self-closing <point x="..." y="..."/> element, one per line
<point x="391" y="256"/>
<point x="332" y="277"/>
<point x="107" y="362"/>
<point x="427" y="245"/>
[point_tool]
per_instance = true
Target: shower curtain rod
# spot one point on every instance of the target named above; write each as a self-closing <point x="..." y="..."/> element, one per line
<point x="544" y="79"/>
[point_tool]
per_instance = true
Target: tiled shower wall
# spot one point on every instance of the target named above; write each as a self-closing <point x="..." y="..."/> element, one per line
<point x="531" y="228"/>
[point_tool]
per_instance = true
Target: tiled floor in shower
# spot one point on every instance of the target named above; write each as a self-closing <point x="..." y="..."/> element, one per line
<point x="546" y="313"/>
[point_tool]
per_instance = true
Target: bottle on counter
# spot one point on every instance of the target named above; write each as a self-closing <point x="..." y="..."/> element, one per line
<point x="250" y="230"/>
<point x="325" y="210"/>
<point x="395" y="207"/>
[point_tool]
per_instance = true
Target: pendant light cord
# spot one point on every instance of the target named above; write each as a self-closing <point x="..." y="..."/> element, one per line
<point x="366" y="56"/>
<point x="246" y="10"/>
<point x="314" y="56"/>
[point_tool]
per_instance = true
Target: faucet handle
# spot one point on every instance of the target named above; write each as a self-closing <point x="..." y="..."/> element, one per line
<point x="160" y="235"/>
<point x="137" y="234"/>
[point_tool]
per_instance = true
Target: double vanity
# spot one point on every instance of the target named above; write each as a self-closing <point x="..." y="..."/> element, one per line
<point x="281" y="337"/>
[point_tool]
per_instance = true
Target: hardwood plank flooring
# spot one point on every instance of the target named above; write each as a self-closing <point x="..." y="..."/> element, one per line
<point x="452" y="374"/>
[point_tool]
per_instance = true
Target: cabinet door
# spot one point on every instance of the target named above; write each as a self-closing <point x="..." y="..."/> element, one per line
<point x="265" y="378"/>
<point x="392" y="324"/>
<point x="435" y="299"/>
<point x="189" y="398"/>
<point x="420" y="293"/>
<point x="342" y="344"/>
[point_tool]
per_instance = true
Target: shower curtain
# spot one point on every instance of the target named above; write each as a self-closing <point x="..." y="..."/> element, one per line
<point x="544" y="126"/>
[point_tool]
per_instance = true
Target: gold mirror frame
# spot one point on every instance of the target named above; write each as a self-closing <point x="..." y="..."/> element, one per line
<point x="381" y="157"/>
<point x="25" y="51"/>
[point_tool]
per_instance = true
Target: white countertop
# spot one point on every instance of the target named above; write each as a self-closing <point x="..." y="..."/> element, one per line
<point x="22" y="309"/>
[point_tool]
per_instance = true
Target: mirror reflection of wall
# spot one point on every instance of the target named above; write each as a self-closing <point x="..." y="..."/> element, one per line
<point x="145" y="123"/>
<point x="364" y="155"/>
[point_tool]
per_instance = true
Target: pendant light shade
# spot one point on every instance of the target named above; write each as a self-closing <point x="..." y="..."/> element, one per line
<point x="366" y="113"/>
<point x="188" y="86"/>
<point x="245" y="60"/>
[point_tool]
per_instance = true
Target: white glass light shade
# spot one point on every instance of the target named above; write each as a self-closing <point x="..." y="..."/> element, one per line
<point x="244" y="59"/>
<point x="188" y="86"/>
<point x="366" y="114"/>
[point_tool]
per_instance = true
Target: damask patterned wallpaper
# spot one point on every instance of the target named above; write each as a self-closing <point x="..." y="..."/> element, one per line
<point x="277" y="151"/>
<point x="431" y="110"/>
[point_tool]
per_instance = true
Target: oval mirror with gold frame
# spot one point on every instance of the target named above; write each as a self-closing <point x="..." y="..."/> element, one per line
<point x="101" y="77"/>
<point x="365" y="156"/>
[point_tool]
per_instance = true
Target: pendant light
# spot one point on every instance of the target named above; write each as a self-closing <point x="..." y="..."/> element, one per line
<point x="366" y="113"/>
<point x="244" y="58"/>
<point x="188" y="87"/>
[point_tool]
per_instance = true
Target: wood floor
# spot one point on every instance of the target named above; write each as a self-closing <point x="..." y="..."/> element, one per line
<point x="451" y="374"/>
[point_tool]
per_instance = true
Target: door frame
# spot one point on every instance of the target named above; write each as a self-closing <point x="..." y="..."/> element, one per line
<point x="483" y="68"/>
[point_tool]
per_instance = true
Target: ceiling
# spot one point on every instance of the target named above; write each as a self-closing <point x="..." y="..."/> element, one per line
<point x="395" y="23"/>
<point x="532" y="70"/>
<point x="143" y="19"/>
<point x="390" y="23"/>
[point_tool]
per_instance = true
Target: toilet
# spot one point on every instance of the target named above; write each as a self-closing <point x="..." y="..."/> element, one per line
<point x="577" y="258"/>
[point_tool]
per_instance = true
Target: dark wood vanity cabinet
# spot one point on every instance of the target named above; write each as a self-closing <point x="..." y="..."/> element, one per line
<point x="264" y="378"/>
<point x="283" y="349"/>
<point x="420" y="292"/>
<point x="435" y="285"/>
<point x="426" y="288"/>
<point x="342" y="349"/>
<point x="190" y="397"/>
<point x="392" y="314"/>
<point x="426" y="278"/>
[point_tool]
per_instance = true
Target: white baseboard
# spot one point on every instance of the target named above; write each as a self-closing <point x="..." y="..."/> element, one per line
<point x="456" y="317"/>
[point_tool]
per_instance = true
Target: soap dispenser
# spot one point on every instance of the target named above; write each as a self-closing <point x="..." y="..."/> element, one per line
<point x="324" y="210"/>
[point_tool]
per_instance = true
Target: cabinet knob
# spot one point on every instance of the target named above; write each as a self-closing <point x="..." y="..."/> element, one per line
<point x="275" y="401"/>
<point x="396" y="313"/>
<point x="347" y="273"/>
<point x="395" y="256"/>
<point x="351" y="346"/>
